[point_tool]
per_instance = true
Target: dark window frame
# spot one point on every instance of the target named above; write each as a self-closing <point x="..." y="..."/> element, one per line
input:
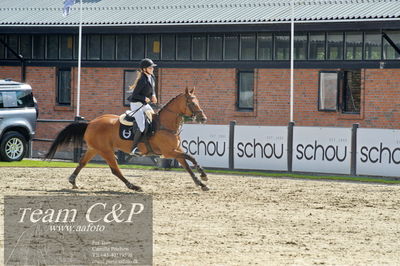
<point x="103" y="36"/>
<point x="238" y="108"/>
<point x="343" y="92"/>
<point x="117" y="50"/>
<point x="173" y="48"/>
<point x="176" y="46"/>
<point x="144" y="43"/>
<point x="206" y="47"/>
<point x="58" y="102"/>
<point x="60" y="50"/>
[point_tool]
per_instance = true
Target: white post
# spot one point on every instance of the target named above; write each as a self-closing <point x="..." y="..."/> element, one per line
<point x="79" y="62"/>
<point x="292" y="62"/>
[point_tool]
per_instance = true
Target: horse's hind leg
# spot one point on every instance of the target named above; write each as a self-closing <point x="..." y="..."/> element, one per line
<point x="90" y="153"/>
<point x="112" y="162"/>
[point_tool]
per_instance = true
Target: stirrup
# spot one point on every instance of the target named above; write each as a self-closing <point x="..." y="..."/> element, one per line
<point x="135" y="152"/>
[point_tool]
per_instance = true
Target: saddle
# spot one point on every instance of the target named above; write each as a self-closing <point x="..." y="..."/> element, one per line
<point x="127" y="128"/>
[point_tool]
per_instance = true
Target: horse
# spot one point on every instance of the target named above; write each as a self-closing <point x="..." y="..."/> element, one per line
<point x="102" y="137"/>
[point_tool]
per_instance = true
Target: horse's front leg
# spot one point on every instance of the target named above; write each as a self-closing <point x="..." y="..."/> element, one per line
<point x="181" y="158"/>
<point x="203" y="175"/>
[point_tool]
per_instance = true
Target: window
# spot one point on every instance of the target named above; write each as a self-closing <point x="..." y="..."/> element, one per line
<point x="52" y="47"/>
<point x="264" y="42"/>
<point x="388" y="51"/>
<point x="66" y="47"/>
<point x="199" y="47"/>
<point x="16" y="99"/>
<point x="317" y="46"/>
<point x="248" y="47"/>
<point x="2" y="47"/>
<point x="351" y="98"/>
<point x="93" y="46"/>
<point x="372" y="45"/>
<point x="183" y="47"/>
<point x="353" y="46"/>
<point x="335" y="46"/>
<point x="64" y="87"/>
<point x="300" y="46"/>
<point x="282" y="47"/>
<point x="168" y="47"/>
<point x="215" y="47"/>
<point x="25" y="45"/>
<point x="137" y="47"/>
<point x="328" y="90"/>
<point x="38" y="46"/>
<point x="245" y="90"/>
<point x="129" y="78"/>
<point x="153" y="48"/>
<point x="76" y="46"/>
<point x="108" y="47"/>
<point x="231" y="51"/>
<point x="12" y="42"/>
<point x="123" y="47"/>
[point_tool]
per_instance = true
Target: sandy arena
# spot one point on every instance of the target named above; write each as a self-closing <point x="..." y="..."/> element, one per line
<point x="244" y="220"/>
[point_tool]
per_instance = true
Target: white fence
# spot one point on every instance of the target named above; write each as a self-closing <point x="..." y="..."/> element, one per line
<point x="298" y="149"/>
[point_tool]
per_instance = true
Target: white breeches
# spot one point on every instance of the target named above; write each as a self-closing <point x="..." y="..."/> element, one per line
<point x="139" y="115"/>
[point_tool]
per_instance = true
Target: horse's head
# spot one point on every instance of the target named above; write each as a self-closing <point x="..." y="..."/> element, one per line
<point x="192" y="107"/>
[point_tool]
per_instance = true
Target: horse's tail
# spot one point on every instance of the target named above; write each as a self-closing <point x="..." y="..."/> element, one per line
<point x="73" y="133"/>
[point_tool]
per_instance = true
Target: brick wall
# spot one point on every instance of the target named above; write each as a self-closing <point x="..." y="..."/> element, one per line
<point x="102" y="93"/>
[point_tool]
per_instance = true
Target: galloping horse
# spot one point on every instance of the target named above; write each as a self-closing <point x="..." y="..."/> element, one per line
<point x="102" y="137"/>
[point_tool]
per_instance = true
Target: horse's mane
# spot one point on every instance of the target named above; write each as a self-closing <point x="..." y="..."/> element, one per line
<point x="170" y="101"/>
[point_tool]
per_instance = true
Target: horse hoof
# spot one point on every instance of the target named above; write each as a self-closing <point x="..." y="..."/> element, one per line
<point x="74" y="186"/>
<point x="204" y="177"/>
<point x="133" y="187"/>
<point x="205" y="188"/>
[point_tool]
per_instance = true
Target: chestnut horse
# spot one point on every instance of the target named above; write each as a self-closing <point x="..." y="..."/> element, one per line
<point x="102" y="137"/>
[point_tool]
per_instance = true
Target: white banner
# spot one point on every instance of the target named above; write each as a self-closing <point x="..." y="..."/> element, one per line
<point x="322" y="150"/>
<point x="262" y="148"/>
<point x="378" y="152"/>
<point x="209" y="144"/>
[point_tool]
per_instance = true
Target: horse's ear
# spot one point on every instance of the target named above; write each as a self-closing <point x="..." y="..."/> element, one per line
<point x="187" y="90"/>
<point x="192" y="91"/>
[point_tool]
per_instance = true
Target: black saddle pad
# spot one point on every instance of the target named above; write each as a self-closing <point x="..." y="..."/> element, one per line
<point x="127" y="132"/>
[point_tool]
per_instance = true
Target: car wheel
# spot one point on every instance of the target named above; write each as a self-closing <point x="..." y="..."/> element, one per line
<point x="13" y="147"/>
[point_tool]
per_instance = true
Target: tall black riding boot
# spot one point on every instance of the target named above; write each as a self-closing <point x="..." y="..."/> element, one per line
<point x="136" y="140"/>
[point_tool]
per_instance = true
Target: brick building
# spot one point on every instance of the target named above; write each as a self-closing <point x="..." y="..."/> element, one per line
<point x="235" y="52"/>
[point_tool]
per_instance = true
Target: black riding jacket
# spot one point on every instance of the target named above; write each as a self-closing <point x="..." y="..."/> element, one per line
<point x="144" y="88"/>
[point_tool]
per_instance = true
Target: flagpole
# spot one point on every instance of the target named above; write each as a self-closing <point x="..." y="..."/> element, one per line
<point x="292" y="62"/>
<point x="79" y="62"/>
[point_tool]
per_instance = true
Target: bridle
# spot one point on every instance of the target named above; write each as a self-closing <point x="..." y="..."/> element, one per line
<point x="189" y="105"/>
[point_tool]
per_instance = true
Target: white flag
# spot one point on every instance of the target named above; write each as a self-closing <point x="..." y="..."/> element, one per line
<point x="67" y="7"/>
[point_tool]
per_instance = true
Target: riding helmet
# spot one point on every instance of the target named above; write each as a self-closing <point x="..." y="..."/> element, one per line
<point x="147" y="62"/>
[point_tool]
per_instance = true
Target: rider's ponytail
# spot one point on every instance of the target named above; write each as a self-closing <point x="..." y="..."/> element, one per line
<point x="139" y="75"/>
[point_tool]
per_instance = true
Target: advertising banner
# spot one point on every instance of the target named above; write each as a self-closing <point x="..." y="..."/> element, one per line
<point x="261" y="148"/>
<point x="322" y="150"/>
<point x="378" y="152"/>
<point x="208" y="144"/>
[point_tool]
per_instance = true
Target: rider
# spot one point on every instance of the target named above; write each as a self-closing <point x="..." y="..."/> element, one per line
<point x="143" y="93"/>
